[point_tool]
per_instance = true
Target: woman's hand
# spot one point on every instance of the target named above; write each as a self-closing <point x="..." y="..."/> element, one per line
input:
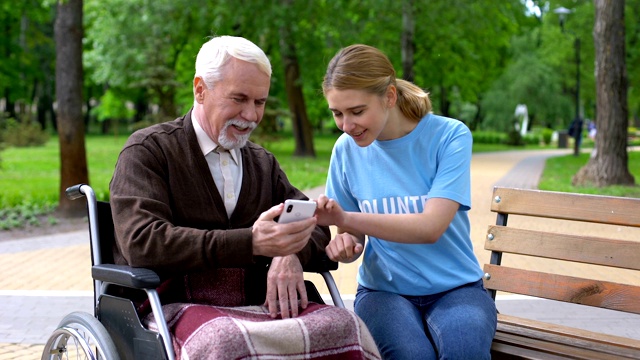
<point x="345" y="248"/>
<point x="329" y="212"/>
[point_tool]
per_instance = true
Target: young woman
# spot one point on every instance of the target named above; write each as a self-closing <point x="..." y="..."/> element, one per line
<point x="401" y="176"/>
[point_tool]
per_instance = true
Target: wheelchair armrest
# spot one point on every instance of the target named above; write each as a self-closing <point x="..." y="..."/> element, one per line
<point x="320" y="265"/>
<point x="124" y="275"/>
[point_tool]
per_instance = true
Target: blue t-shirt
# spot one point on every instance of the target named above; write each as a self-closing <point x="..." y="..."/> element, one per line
<point x="396" y="177"/>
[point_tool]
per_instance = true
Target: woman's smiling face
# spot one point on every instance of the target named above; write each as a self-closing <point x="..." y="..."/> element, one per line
<point x="360" y="114"/>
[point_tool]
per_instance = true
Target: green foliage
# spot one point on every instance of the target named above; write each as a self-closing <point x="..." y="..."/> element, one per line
<point x="514" y="138"/>
<point x="474" y="56"/>
<point x="531" y="139"/>
<point x="511" y="138"/>
<point x="547" y="134"/>
<point x="22" y="133"/>
<point x="24" y="213"/>
<point x="489" y="137"/>
<point x="28" y="53"/>
<point x="112" y="106"/>
<point x="527" y="80"/>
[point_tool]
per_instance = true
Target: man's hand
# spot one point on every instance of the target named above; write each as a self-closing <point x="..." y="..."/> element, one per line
<point x="284" y="281"/>
<point x="272" y="239"/>
<point x="345" y="248"/>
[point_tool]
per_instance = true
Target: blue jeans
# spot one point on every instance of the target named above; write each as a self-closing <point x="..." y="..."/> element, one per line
<point x="456" y="324"/>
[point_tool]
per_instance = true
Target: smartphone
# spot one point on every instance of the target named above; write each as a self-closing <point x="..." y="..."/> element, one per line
<point x="295" y="210"/>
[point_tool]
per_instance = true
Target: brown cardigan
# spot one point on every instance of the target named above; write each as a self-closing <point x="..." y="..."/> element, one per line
<point x="169" y="216"/>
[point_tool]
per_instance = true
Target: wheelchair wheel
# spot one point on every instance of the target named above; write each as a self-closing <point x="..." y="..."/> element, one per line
<point x="80" y="336"/>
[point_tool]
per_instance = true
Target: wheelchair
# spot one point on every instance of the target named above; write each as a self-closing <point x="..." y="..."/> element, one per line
<point x="115" y="331"/>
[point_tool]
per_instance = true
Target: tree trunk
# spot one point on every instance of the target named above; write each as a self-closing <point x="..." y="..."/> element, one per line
<point x="168" y="109"/>
<point x="9" y="104"/>
<point x="73" y="159"/>
<point x="408" y="44"/>
<point x="609" y="165"/>
<point x="445" y="104"/>
<point x="302" y="131"/>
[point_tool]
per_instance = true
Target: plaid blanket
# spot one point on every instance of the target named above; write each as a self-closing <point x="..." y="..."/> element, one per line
<point x="248" y="332"/>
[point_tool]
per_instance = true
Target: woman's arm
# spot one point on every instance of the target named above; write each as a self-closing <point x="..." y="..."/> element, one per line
<point x="422" y="228"/>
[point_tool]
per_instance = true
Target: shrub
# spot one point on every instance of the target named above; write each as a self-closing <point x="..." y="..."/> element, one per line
<point x="547" y="135"/>
<point x="26" y="213"/>
<point x="514" y="138"/>
<point x="532" y="139"/>
<point x="22" y="133"/>
<point x="489" y="137"/>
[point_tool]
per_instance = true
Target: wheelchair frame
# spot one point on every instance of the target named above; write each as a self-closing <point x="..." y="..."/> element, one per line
<point x="114" y="331"/>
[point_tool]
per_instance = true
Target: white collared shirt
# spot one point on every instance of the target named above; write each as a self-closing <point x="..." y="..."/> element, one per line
<point x="225" y="167"/>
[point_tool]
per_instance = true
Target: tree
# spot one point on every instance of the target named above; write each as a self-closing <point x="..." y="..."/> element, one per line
<point x="632" y="31"/>
<point x="609" y="166"/>
<point x="26" y="65"/>
<point x="139" y="45"/>
<point x="293" y="85"/>
<point x="463" y="46"/>
<point x="68" y="32"/>
<point x="408" y="44"/>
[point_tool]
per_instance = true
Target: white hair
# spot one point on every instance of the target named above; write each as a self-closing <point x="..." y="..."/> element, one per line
<point x="215" y="54"/>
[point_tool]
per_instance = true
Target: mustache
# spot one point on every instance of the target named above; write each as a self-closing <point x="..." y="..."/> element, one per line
<point x="241" y="123"/>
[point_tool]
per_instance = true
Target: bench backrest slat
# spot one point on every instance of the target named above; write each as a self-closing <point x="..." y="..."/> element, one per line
<point x="504" y="238"/>
<point x="558" y="205"/>
<point x="597" y="293"/>
<point x="583" y="249"/>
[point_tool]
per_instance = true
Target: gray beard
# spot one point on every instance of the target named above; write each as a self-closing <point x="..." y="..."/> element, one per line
<point x="235" y="142"/>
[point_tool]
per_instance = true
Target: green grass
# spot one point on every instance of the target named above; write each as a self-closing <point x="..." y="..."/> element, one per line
<point x="32" y="174"/>
<point x="559" y="171"/>
<point x="304" y="173"/>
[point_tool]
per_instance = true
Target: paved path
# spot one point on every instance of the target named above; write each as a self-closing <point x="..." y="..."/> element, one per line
<point x="44" y="278"/>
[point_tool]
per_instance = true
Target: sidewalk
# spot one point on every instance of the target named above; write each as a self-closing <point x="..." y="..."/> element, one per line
<point x="45" y="278"/>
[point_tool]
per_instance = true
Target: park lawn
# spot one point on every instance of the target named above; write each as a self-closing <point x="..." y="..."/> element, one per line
<point x="32" y="174"/>
<point x="559" y="171"/>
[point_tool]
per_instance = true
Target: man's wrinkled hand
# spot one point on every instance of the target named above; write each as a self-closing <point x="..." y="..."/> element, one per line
<point x="285" y="281"/>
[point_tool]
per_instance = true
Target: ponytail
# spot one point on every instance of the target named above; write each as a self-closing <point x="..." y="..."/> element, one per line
<point x="413" y="102"/>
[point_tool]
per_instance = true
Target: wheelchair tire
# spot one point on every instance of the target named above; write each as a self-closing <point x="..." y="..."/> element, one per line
<point x="80" y="336"/>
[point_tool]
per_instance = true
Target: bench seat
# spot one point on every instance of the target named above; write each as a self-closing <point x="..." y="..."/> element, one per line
<point x="518" y="337"/>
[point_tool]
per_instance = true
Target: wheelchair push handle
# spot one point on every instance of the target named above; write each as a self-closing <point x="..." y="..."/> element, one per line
<point x="75" y="192"/>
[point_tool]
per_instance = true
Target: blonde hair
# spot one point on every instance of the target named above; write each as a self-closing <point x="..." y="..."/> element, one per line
<point x="362" y="67"/>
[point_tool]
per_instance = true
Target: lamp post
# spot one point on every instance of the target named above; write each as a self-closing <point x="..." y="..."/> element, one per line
<point x="576" y="124"/>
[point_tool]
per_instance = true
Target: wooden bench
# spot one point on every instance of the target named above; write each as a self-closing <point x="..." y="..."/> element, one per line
<point x="518" y="337"/>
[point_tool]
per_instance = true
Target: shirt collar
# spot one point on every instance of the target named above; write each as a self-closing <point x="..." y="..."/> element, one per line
<point x="206" y="144"/>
